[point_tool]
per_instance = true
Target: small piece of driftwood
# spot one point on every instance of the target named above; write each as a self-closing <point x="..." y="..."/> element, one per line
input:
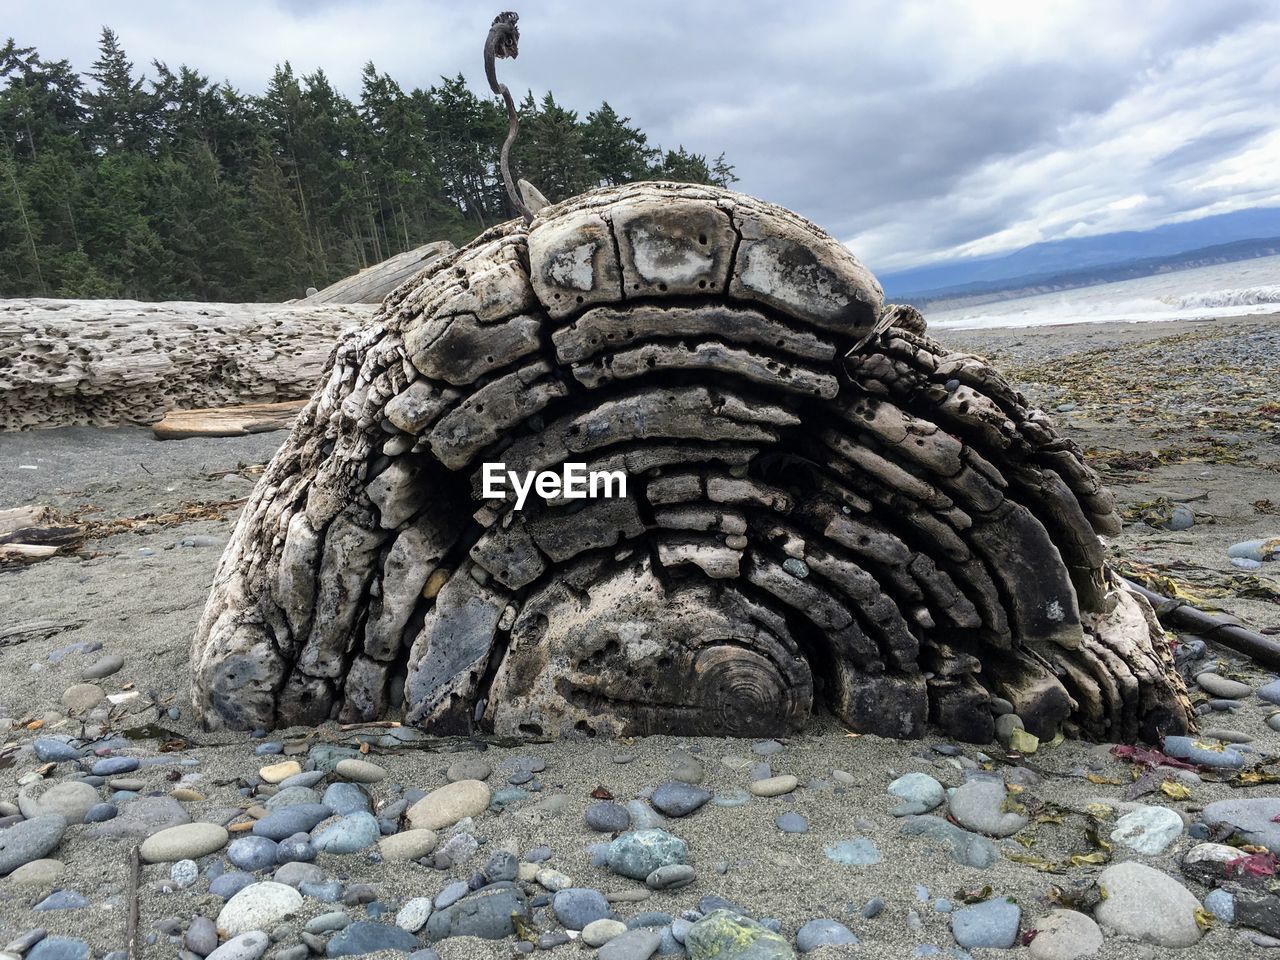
<point x="32" y="533"/>
<point x="227" y="421"/>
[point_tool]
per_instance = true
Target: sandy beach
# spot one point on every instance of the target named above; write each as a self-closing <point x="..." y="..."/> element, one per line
<point x="1171" y="413"/>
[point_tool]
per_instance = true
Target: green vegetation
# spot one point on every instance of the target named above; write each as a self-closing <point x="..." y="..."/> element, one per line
<point x="173" y="187"/>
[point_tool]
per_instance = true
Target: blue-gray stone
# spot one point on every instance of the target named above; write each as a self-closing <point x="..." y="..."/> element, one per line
<point x="345" y="798"/>
<point x="29" y="840"/>
<point x="967" y="848"/>
<point x="100" y="812"/>
<point x="731" y="797"/>
<point x="649" y="918"/>
<point x="678" y="799"/>
<point x="918" y="792"/>
<point x="872" y="908"/>
<point x="270" y="748"/>
<point x="643" y="816"/>
<point x="537" y="854"/>
<point x="1257" y="550"/>
<point x="671" y="877"/>
<point x="507" y="796"/>
<point x="607" y="817"/>
<point x="56" y="749"/>
<point x="348" y="835"/>
<point x="857" y="852"/>
<point x="791" y="822"/>
<point x="202" y="936"/>
<point x="307" y="778"/>
<point x="62" y="900"/>
<point x="640" y="852"/>
<point x="426" y="953"/>
<point x="632" y="945"/>
<point x="575" y="907"/>
<point x="1270" y="691"/>
<point x="823" y="933"/>
<point x="1181" y="517"/>
<point x="330" y="891"/>
<point x="993" y="923"/>
<point x="252" y="853"/>
<point x="328" y="922"/>
<point x="114" y="766"/>
<point x="1251" y="817"/>
<point x="286" y="821"/>
<point x="1188" y="748"/>
<point x="1221" y="904"/>
<point x="327" y="755"/>
<point x="364" y="936"/>
<point x="296" y="849"/>
<point x="489" y="914"/>
<point x="230" y="883"/>
<point x="451" y="894"/>
<point x="766" y="748"/>
<point x="59" y="948"/>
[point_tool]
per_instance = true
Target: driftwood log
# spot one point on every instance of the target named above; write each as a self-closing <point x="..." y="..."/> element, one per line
<point x="238" y="421"/>
<point x="372" y="284"/>
<point x="825" y="509"/>
<point x="113" y="362"/>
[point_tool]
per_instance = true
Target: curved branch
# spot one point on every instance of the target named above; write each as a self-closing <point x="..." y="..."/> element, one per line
<point x="502" y="43"/>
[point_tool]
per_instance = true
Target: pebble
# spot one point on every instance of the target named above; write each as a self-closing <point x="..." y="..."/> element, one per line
<point x="29" y="840"/>
<point x="607" y="817"/>
<point x="1148" y="830"/>
<point x="247" y="946"/>
<point x="1148" y="905"/>
<point x="872" y="908"/>
<point x="671" y="877"/>
<point x="258" y="906"/>
<point x="114" y="766"/>
<point x="638" y="853"/>
<point x="791" y="822"/>
<point x="184" y="873"/>
<point x="1065" y="935"/>
<point x="277" y="772"/>
<point x="488" y="913"/>
<point x="188" y="841"/>
<point x="447" y="805"/>
<point x="1220" y="686"/>
<point x="407" y="845"/>
<point x="1252" y="817"/>
<point x="228" y="884"/>
<point x="327" y="922"/>
<point x="992" y="923"/>
<point x="59" y="948"/>
<point x="80" y="698"/>
<point x="575" y="907"/>
<point x="414" y="914"/>
<point x="1227" y="736"/>
<point x="70" y="800"/>
<point x="365" y="936"/>
<point x="345" y="798"/>
<point x="1258" y="550"/>
<point x="978" y="805"/>
<point x="201" y="937"/>
<point x="348" y="834"/>
<point x="252" y="853"/>
<point x="773" y="786"/>
<point x="1270" y="691"/>
<point x="678" y="799"/>
<point x="918" y="792"/>
<point x="731" y="797"/>
<point x="297" y="848"/>
<point x="1221" y="904"/>
<point x="599" y="932"/>
<point x="967" y="848"/>
<point x="295" y="874"/>
<point x="140" y="818"/>
<point x="55" y="749"/>
<point x="823" y="933"/>
<point x="38" y="873"/>
<point x="726" y="935"/>
<point x="62" y="900"/>
<point x="857" y="852"/>
<point x="468" y="768"/>
<point x="633" y="945"/>
<point x="359" y="771"/>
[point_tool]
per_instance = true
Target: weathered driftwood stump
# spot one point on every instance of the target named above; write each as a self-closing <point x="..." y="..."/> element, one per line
<point x="825" y="508"/>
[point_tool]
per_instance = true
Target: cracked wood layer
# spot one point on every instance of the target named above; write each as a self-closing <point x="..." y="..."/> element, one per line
<point x="825" y="509"/>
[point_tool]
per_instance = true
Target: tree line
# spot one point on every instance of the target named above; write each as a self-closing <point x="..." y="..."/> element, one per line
<point x="172" y="187"/>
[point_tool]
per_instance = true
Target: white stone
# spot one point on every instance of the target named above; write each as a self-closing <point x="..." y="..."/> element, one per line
<point x="1148" y="905"/>
<point x="257" y="906"/>
<point x="599" y="932"/>
<point x="247" y="946"/>
<point x="1065" y="935"/>
<point x="359" y="771"/>
<point x="414" y="914"/>
<point x="1148" y="830"/>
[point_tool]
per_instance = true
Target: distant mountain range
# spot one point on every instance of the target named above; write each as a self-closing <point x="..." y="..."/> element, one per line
<point x="1084" y="261"/>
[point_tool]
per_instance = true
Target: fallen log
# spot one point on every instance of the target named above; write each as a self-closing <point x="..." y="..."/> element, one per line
<point x="372" y="284"/>
<point x="32" y="533"/>
<point x="227" y="421"/>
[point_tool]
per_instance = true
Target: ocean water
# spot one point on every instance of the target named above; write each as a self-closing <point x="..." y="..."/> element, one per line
<point x="1221" y="290"/>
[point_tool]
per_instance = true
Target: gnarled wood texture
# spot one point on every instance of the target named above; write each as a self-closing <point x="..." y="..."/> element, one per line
<point x="826" y="508"/>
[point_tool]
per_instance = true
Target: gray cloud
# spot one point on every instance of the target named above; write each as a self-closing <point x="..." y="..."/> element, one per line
<point x="913" y="131"/>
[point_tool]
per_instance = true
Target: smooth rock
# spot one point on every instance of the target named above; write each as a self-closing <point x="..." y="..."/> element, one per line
<point x="257" y="907"/>
<point x="823" y="933"/>
<point x="468" y="768"/>
<point x="992" y="923"/>
<point x="671" y="877"/>
<point x="296" y="874"/>
<point x="228" y="884"/>
<point x="1206" y="754"/>
<point x="791" y="822"/>
<point x="1148" y="905"/>
<point x="640" y="852"/>
<point x="247" y="946"/>
<point x="678" y="799"/>
<point x="773" y="786"/>
<point x="359" y="771"/>
<point x="918" y="792"/>
<point x="59" y="948"/>
<point x="252" y="853"/>
<point x="1065" y="935"/>
<point x="184" y="873"/>
<point x="599" y="932"/>
<point x="1148" y="830"/>
<point x="447" y="805"/>
<point x="1251" y="817"/>
<point x="979" y="805"/>
<point x="38" y="873"/>
<point x="345" y="798"/>
<point x="80" y="698"/>
<point x="407" y="845"/>
<point x="414" y="914"/>
<point x="276" y="772"/>
<point x="29" y="840"/>
<point x="365" y="936"/>
<point x="140" y="818"/>
<point x="1221" y="904"/>
<point x="488" y="913"/>
<point x="723" y="935"/>
<point x="575" y="907"/>
<point x="857" y="852"/>
<point x="967" y="848"/>
<point x="1217" y="685"/>
<point x="638" y="944"/>
<point x="70" y="800"/>
<point x="190" y="841"/>
<point x="607" y="817"/>
<point x="348" y="834"/>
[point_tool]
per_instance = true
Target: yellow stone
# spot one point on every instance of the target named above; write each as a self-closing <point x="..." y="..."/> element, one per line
<point x="276" y="772"/>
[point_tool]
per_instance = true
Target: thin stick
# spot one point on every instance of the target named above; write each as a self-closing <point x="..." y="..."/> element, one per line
<point x="135" y="879"/>
<point x="503" y="43"/>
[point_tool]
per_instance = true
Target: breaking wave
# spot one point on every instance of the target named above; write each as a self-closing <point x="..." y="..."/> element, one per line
<point x="1248" y="297"/>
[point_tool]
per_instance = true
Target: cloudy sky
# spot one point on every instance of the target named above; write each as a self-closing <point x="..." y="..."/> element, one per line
<point x="914" y="130"/>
